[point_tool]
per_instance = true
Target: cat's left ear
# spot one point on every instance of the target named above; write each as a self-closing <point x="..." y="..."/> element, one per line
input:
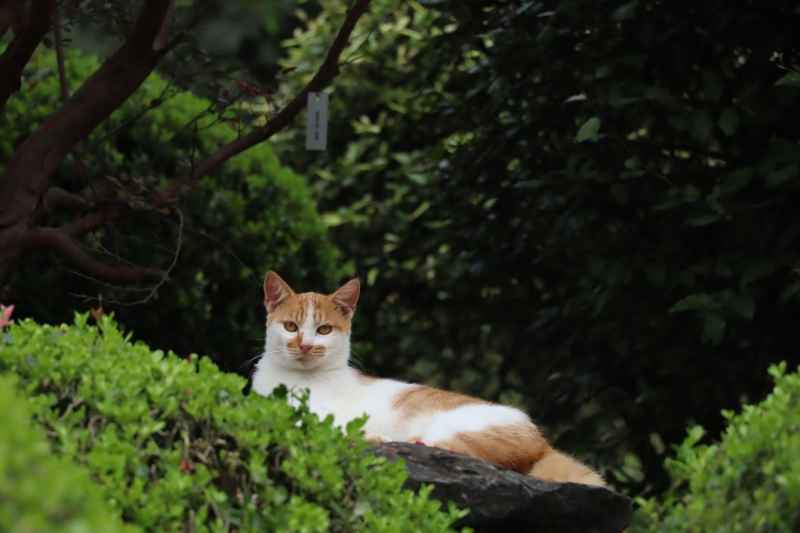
<point x="346" y="296"/>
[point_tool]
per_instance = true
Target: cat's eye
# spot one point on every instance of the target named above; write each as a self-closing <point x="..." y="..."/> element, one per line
<point x="324" y="330"/>
<point x="290" y="326"/>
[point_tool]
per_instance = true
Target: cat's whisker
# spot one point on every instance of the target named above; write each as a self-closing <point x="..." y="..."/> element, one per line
<point x="251" y="360"/>
<point x="356" y="363"/>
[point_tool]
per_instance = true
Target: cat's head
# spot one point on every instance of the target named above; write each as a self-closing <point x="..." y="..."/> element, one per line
<point x="308" y="331"/>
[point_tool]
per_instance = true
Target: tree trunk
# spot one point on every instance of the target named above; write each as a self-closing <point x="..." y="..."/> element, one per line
<point x="37" y="158"/>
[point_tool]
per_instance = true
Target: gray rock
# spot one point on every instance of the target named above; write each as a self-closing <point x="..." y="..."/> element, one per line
<point x="502" y="500"/>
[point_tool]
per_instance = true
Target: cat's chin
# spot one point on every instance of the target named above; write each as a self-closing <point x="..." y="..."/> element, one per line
<point x="305" y="363"/>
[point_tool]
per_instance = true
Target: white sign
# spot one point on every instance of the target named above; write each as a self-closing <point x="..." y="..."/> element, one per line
<point x="317" y="121"/>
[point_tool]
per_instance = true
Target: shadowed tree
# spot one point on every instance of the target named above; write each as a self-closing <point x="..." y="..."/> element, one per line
<point x="152" y="33"/>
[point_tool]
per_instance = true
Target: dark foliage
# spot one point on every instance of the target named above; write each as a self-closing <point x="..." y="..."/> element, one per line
<point x="588" y="208"/>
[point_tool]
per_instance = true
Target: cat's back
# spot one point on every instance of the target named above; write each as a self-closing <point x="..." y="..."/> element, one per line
<point x="379" y="398"/>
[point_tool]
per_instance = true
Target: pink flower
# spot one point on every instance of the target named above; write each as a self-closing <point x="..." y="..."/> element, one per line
<point x="5" y="315"/>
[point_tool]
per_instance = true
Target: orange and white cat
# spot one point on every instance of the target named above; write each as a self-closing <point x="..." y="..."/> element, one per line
<point x="308" y="346"/>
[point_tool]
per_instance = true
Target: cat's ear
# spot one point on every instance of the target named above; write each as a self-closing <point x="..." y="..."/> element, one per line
<point x="275" y="291"/>
<point x="346" y="296"/>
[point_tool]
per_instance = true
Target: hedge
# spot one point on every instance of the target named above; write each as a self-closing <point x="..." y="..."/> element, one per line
<point x="748" y="482"/>
<point x="174" y="445"/>
<point x="39" y="492"/>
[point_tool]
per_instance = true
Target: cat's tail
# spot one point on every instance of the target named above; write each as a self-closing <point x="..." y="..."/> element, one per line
<point x="558" y="466"/>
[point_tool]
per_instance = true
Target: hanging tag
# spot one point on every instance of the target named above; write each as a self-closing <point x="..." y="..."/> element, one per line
<point x="317" y="121"/>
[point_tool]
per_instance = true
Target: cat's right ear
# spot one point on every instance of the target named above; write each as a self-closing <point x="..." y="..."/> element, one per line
<point x="275" y="291"/>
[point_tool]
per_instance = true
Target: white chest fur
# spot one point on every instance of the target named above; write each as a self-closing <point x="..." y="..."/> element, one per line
<point x="341" y="393"/>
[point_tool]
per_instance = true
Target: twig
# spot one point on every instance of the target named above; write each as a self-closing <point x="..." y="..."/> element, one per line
<point x="170" y="268"/>
<point x="152" y="290"/>
<point x="326" y="73"/>
<point x="58" y="241"/>
<point x="162" y="97"/>
<point x="62" y="71"/>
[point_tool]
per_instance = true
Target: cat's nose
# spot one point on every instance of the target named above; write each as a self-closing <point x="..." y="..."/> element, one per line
<point x="305" y="348"/>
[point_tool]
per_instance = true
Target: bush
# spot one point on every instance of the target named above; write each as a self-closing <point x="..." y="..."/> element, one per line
<point x="175" y="446"/>
<point x="749" y="481"/>
<point x="39" y="492"/>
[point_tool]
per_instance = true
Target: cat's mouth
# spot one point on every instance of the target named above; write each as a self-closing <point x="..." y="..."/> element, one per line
<point x="309" y="357"/>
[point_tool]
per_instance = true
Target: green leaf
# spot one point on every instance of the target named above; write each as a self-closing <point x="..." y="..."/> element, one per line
<point x="782" y="175"/>
<point x="713" y="328"/>
<point x="790" y="293"/>
<point x="736" y="180"/>
<point x="694" y="302"/>
<point x="589" y="131"/>
<point x="756" y="270"/>
<point x="712" y="85"/>
<point x="743" y="304"/>
<point x="792" y="79"/>
<point x="625" y="11"/>
<point x="729" y="121"/>
<point x="701" y="126"/>
<point x="703" y="220"/>
<point x="620" y="194"/>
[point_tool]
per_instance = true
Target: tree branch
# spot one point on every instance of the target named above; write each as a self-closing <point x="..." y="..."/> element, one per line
<point x="326" y="73"/>
<point x="62" y="70"/>
<point x="161" y="42"/>
<point x="92" y="221"/>
<point x="29" y="30"/>
<point x="38" y="157"/>
<point x="8" y="15"/>
<point x="56" y="198"/>
<point x="165" y="275"/>
<point x="58" y="241"/>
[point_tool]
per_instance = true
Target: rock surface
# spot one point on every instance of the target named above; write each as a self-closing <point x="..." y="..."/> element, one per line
<point x="502" y="500"/>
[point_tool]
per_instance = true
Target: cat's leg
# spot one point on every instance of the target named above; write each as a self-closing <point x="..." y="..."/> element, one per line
<point x="377" y="431"/>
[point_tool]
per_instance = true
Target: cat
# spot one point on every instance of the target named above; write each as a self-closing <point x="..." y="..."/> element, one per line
<point x="308" y="346"/>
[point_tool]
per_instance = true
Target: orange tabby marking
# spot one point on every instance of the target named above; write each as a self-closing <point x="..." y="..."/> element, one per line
<point x="295" y="306"/>
<point x="558" y="466"/>
<point x="421" y="399"/>
<point x="516" y="447"/>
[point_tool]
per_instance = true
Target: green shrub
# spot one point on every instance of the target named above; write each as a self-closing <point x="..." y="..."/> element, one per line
<point x="39" y="492"/>
<point x="176" y="446"/>
<point x="748" y="482"/>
